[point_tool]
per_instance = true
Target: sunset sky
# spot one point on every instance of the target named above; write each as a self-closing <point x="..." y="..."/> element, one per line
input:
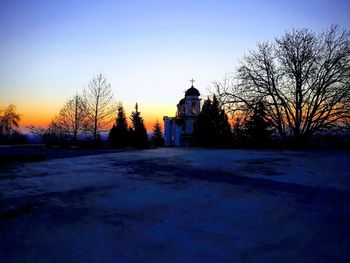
<point x="148" y="50"/>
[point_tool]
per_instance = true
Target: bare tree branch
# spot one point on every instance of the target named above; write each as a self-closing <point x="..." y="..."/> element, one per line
<point x="99" y="104"/>
<point x="73" y="116"/>
<point x="303" y="78"/>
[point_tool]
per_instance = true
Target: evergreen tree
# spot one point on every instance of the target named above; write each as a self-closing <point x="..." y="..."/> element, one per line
<point x="212" y="128"/>
<point x="258" y="129"/>
<point x="138" y="133"/>
<point x="157" y="135"/>
<point x="130" y="136"/>
<point x="223" y="127"/>
<point x="118" y="135"/>
<point x="239" y="133"/>
<point x="201" y="129"/>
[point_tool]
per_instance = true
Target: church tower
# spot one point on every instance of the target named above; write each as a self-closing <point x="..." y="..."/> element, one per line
<point x="178" y="131"/>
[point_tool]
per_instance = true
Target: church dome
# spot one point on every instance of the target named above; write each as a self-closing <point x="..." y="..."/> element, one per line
<point x="182" y="101"/>
<point x="192" y="92"/>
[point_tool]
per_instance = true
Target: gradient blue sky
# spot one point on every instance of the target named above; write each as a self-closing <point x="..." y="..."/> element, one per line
<point x="149" y="50"/>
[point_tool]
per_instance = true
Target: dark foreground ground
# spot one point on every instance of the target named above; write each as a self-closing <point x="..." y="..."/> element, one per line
<point x="178" y="205"/>
<point x="9" y="154"/>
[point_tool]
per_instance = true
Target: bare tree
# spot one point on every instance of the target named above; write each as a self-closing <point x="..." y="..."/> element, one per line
<point x="72" y="117"/>
<point x="302" y="78"/>
<point x="99" y="104"/>
<point x="54" y="134"/>
<point x="9" y="120"/>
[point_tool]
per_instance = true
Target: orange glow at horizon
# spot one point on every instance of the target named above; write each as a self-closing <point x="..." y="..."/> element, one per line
<point x="41" y="115"/>
<point x="35" y="114"/>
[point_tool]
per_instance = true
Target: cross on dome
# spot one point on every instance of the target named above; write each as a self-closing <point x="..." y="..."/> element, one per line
<point x="192" y="80"/>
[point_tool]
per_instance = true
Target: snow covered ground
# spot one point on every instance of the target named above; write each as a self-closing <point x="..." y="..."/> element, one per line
<point x="178" y="205"/>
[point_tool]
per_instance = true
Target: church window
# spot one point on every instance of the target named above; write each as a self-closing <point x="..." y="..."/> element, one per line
<point x="194" y="108"/>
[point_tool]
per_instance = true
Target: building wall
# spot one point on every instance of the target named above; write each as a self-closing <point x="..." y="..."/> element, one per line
<point x="178" y="132"/>
<point x="168" y="131"/>
<point x="174" y="132"/>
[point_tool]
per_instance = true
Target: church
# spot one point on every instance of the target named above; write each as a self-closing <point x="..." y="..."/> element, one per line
<point x="178" y="130"/>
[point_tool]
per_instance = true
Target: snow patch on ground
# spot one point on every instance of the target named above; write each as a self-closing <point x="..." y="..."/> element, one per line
<point x="178" y="205"/>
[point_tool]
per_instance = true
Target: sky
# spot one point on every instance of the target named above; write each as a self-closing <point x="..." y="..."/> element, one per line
<point x="148" y="50"/>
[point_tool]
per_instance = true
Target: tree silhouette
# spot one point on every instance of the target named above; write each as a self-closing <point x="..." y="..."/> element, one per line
<point x="53" y="135"/>
<point x="239" y="134"/>
<point x="9" y="120"/>
<point x="138" y="134"/>
<point x="99" y="104"/>
<point x="258" y="129"/>
<point x="212" y="128"/>
<point x="72" y="117"/>
<point x="118" y="135"/>
<point x="157" y="135"/>
<point x="302" y="79"/>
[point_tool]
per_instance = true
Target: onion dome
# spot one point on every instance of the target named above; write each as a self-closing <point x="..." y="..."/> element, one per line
<point x="192" y="92"/>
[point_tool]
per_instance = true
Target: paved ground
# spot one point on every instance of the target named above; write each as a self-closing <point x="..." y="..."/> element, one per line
<point x="178" y="205"/>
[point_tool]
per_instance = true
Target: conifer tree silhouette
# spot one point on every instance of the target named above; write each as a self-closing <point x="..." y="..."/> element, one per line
<point x="157" y="135"/>
<point x="138" y="134"/>
<point x="212" y="128"/>
<point x="118" y="135"/>
<point x="258" y="130"/>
